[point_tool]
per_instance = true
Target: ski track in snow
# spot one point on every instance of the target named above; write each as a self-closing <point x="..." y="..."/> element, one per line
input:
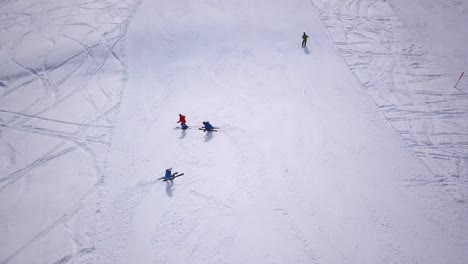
<point x="60" y="87"/>
<point x="414" y="94"/>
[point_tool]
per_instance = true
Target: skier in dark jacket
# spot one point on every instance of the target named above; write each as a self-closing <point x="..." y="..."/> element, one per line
<point x="168" y="175"/>
<point x="182" y="121"/>
<point x="207" y="126"/>
<point x="304" y="39"/>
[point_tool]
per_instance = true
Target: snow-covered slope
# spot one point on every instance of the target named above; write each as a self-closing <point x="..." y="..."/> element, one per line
<point x="61" y="67"/>
<point x="323" y="155"/>
<point x="304" y="169"/>
<point x="414" y="93"/>
<point x="441" y="28"/>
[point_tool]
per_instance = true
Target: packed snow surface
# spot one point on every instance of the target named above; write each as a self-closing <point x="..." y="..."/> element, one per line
<point x="351" y="150"/>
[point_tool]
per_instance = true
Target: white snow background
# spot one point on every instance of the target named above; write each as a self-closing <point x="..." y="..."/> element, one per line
<point x="352" y="150"/>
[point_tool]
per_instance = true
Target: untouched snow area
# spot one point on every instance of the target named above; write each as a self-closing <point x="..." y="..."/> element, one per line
<point x="352" y="150"/>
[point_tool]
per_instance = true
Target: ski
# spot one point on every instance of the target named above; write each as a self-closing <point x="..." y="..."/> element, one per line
<point x="173" y="174"/>
<point x="173" y="177"/>
<point x="179" y="128"/>
<point x="213" y="130"/>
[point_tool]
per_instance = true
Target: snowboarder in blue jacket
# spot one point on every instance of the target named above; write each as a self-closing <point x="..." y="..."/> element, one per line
<point x="207" y="126"/>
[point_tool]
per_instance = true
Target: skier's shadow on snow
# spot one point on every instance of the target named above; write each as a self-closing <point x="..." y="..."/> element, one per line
<point x="208" y="136"/>
<point x="306" y="50"/>
<point x="183" y="134"/>
<point x="169" y="189"/>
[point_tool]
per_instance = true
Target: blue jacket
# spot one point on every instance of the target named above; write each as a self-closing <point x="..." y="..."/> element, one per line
<point x="168" y="174"/>
<point x="208" y="126"/>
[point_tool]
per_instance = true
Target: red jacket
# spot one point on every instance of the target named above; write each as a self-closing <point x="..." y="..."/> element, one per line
<point x="181" y="119"/>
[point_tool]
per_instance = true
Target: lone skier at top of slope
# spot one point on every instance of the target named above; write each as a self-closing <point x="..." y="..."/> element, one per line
<point x="304" y="39"/>
<point x="182" y="121"/>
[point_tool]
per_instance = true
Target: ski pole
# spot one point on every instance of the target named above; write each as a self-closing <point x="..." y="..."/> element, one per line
<point x="459" y="79"/>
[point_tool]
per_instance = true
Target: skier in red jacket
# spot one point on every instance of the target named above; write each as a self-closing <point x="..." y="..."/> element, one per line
<point x="182" y="121"/>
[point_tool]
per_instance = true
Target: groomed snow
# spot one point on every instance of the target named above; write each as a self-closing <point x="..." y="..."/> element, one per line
<point x="352" y="150"/>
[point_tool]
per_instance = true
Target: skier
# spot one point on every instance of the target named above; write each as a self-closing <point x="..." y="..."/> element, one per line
<point x="207" y="126"/>
<point x="182" y="121"/>
<point x="304" y="39"/>
<point x="168" y="175"/>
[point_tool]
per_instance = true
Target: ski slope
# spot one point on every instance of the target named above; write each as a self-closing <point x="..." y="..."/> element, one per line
<point x="352" y="150"/>
<point x="440" y="27"/>
<point x="61" y="66"/>
<point x="304" y="169"/>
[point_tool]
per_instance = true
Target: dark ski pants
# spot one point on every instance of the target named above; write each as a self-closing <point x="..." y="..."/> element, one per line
<point x="304" y="42"/>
